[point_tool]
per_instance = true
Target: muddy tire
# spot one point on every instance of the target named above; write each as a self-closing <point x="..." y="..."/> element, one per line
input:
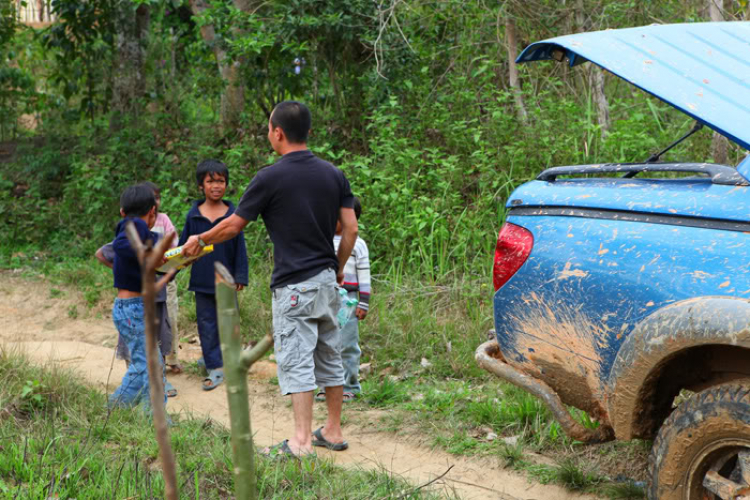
<point x="702" y="451"/>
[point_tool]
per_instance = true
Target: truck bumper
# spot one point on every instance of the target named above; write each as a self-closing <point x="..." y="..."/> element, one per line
<point x="489" y="357"/>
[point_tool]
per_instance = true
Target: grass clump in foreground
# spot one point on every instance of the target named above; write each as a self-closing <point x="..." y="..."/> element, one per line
<point x="57" y="440"/>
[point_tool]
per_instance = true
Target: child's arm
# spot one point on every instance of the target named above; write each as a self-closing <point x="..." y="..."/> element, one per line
<point x="240" y="262"/>
<point x="169" y="228"/>
<point x="362" y="263"/>
<point x="106" y="255"/>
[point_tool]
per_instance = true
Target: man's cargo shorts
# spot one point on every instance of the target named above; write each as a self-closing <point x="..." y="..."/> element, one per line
<point x="306" y="336"/>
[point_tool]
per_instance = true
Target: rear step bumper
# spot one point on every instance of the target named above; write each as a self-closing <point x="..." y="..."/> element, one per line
<point x="490" y="358"/>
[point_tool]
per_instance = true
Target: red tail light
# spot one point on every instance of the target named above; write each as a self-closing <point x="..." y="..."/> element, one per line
<point x="513" y="248"/>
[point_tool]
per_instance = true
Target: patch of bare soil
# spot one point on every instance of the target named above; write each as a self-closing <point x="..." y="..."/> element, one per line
<point x="36" y="323"/>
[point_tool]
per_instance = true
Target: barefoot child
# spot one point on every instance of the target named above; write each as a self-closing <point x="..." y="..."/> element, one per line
<point x="138" y="205"/>
<point x="212" y="177"/>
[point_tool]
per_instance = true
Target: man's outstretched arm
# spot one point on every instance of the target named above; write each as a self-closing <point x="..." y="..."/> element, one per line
<point x="226" y="230"/>
<point x="349" y="231"/>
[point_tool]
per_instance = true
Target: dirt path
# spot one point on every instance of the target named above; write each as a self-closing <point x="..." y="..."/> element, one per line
<point x="49" y="330"/>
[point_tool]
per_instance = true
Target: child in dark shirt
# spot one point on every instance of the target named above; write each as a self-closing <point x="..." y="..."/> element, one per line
<point x="165" y="326"/>
<point x="212" y="177"/>
<point x="138" y="205"/>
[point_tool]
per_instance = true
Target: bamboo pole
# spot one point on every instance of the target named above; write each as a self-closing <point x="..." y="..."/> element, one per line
<point x="150" y="258"/>
<point x="237" y="363"/>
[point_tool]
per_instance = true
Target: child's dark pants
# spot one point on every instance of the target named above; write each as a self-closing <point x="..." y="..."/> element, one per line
<point x="208" y="329"/>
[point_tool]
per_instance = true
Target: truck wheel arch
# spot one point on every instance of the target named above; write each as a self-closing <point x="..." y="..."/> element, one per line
<point x="692" y="344"/>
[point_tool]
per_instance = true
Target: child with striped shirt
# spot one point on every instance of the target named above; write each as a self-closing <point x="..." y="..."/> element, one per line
<point x="357" y="285"/>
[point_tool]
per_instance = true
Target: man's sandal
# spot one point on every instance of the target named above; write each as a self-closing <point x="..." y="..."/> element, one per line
<point x="214" y="379"/>
<point x="320" y="440"/>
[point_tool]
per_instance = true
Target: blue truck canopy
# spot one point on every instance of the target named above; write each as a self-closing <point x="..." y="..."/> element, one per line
<point x="702" y="69"/>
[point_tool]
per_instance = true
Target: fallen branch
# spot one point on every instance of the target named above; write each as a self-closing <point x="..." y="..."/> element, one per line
<point x="237" y="363"/>
<point x="150" y="258"/>
<point x="432" y="481"/>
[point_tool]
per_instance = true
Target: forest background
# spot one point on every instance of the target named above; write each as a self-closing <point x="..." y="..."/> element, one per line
<point x="419" y="102"/>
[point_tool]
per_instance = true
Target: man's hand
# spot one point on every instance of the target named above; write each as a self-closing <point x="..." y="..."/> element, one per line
<point x="239" y="287"/>
<point x="360" y="313"/>
<point x="340" y="278"/>
<point x="191" y="248"/>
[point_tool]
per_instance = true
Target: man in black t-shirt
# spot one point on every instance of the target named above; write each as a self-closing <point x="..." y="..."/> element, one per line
<point x="300" y="199"/>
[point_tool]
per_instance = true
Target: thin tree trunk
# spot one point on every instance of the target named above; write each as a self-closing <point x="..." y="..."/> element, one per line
<point x="237" y="363"/>
<point x="233" y="96"/>
<point x="149" y="259"/>
<point x="515" y="85"/>
<point x="594" y="77"/>
<point x="716" y="10"/>
<point x="129" y="81"/>
<point x="334" y="86"/>
<point x="719" y="143"/>
<point x="600" y="98"/>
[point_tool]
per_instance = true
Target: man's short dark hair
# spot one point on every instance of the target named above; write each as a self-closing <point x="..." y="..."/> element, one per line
<point x="294" y="119"/>
<point x="137" y="201"/>
<point x="357" y="207"/>
<point x="212" y="168"/>
<point x="153" y="187"/>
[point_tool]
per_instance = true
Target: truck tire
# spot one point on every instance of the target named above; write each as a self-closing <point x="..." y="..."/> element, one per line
<point x="702" y="451"/>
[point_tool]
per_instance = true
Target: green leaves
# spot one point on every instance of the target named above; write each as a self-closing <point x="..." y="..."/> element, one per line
<point x="32" y="394"/>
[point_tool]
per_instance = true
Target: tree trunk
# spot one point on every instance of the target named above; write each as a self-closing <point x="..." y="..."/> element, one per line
<point x="716" y="10"/>
<point x="719" y="143"/>
<point x="515" y="85"/>
<point x="129" y="81"/>
<point x="594" y="77"/>
<point x="600" y="98"/>
<point x="233" y="96"/>
<point x="237" y="362"/>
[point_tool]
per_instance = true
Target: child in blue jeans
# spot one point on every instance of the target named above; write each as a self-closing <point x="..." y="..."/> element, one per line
<point x="165" y="325"/>
<point x="357" y="285"/>
<point x="138" y="205"/>
<point x="212" y="177"/>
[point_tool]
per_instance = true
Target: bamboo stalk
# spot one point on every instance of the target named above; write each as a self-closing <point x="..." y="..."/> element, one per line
<point x="237" y="363"/>
<point x="150" y="258"/>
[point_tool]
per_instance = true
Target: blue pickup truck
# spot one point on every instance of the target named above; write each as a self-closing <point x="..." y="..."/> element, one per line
<point x="619" y="286"/>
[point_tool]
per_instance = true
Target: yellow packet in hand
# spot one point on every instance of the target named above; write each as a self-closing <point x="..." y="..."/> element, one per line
<point x="175" y="259"/>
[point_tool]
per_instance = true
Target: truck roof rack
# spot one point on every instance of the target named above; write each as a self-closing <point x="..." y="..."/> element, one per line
<point x="719" y="174"/>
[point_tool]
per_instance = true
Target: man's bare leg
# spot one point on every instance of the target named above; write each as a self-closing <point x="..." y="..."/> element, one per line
<point x="302" y="405"/>
<point x="334" y="400"/>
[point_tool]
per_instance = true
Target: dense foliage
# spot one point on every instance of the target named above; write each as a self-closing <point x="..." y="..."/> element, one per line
<point x="412" y="99"/>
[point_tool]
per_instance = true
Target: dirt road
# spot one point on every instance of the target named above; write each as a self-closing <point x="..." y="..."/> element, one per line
<point x="50" y="327"/>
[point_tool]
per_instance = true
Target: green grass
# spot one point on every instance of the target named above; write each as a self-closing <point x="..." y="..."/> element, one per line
<point x="57" y="440"/>
<point x="624" y="491"/>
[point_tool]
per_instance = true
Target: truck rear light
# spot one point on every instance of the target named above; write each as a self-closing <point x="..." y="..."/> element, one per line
<point x="513" y="248"/>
